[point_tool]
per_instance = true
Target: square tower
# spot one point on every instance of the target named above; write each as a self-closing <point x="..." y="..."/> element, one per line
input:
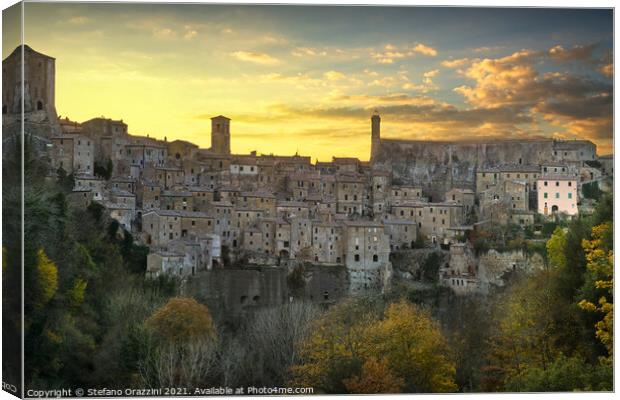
<point x="220" y="135"/>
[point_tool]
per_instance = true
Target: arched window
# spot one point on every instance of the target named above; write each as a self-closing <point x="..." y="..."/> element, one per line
<point x="375" y="258"/>
<point x="39" y="105"/>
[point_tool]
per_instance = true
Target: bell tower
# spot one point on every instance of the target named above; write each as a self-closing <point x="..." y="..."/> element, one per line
<point x="375" y="123"/>
<point x="220" y="135"/>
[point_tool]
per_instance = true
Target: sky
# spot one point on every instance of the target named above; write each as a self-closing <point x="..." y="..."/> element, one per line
<point x="307" y="79"/>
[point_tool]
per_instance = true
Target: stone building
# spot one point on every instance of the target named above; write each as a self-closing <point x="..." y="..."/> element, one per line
<point x="220" y="135"/>
<point x="463" y="196"/>
<point x="327" y="241"/>
<point x="557" y="194"/>
<point x="148" y="195"/>
<point x="607" y="164"/>
<point x="39" y="87"/>
<point x="164" y="263"/>
<point x="350" y="193"/>
<point x="402" y="233"/>
<point x="73" y="153"/>
<point x="180" y="200"/>
<point x="516" y="195"/>
<point x="366" y="254"/>
<point x="90" y="182"/>
<point x="301" y="238"/>
<point x="404" y="193"/>
<point x="378" y="189"/>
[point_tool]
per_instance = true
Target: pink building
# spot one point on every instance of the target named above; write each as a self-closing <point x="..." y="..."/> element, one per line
<point x="557" y="194"/>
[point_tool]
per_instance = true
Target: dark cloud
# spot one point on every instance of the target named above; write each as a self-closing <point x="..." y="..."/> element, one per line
<point x="576" y="53"/>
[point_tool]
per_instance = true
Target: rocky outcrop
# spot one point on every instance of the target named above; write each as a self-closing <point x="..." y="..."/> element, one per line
<point x="438" y="166"/>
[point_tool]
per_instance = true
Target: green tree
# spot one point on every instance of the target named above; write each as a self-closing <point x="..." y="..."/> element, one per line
<point x="601" y="267"/>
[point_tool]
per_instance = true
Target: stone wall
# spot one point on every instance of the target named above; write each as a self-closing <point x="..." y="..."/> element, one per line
<point x="236" y="292"/>
<point x="438" y="166"/>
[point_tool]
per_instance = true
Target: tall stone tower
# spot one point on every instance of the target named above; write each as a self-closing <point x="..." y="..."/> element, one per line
<point x="220" y="135"/>
<point x="376" y="135"/>
<point x="39" y="84"/>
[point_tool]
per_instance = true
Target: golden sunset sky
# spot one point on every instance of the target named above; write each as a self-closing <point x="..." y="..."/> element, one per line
<point x="307" y="79"/>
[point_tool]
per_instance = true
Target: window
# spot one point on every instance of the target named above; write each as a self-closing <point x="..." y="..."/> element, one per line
<point x="570" y="195"/>
<point x="557" y="195"/>
<point x="375" y="258"/>
<point x="357" y="257"/>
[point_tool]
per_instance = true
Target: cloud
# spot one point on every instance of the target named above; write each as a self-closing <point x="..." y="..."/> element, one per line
<point x="431" y="74"/>
<point x="390" y="53"/>
<point x="273" y="39"/>
<point x="257" y="58"/>
<point x="606" y="64"/>
<point x="334" y="75"/>
<point x="301" y="81"/>
<point x="577" y="106"/>
<point x="607" y="70"/>
<point x="514" y="80"/>
<point x="190" y="34"/>
<point x="366" y="101"/>
<point x="79" y="20"/>
<point x="455" y="63"/>
<point x="164" y="33"/>
<point x="424" y="49"/>
<point x="575" y="53"/>
<point x="303" y="51"/>
<point x="388" y="57"/>
<point x="386" y="82"/>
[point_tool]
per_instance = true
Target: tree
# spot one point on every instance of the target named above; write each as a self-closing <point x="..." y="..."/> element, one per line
<point x="523" y="333"/>
<point x="353" y="342"/>
<point x="601" y="266"/>
<point x="182" y="319"/>
<point x="412" y="343"/>
<point x="564" y="374"/>
<point x="48" y="278"/>
<point x="429" y="270"/>
<point x="269" y="340"/>
<point x="556" y="246"/>
<point x="591" y="190"/>
<point x="376" y="377"/>
<point x="181" y="350"/>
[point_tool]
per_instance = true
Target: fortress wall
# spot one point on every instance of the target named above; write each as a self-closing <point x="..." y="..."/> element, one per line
<point x="437" y="166"/>
<point x="222" y="290"/>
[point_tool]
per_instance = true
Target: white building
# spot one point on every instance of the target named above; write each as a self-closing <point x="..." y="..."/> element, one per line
<point x="557" y="194"/>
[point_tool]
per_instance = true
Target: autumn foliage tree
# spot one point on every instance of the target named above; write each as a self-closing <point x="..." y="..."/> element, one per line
<point x="549" y="324"/>
<point x="354" y="348"/>
<point x="182" y="319"/>
<point x="601" y="267"/>
<point x="182" y="349"/>
<point x="47" y="274"/>
<point x="376" y="377"/>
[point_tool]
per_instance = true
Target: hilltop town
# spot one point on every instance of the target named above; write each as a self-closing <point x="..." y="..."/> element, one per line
<point x="206" y="209"/>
